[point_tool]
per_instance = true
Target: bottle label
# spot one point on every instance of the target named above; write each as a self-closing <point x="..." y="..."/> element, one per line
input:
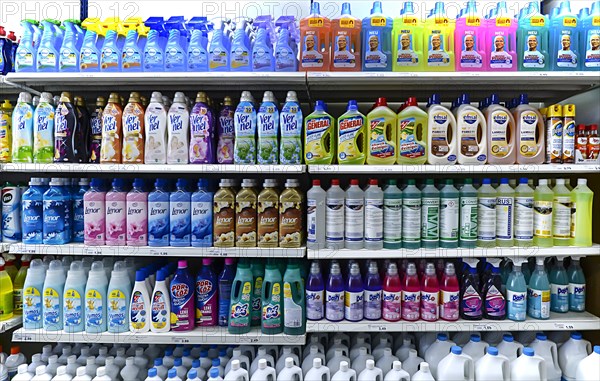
<point x="524" y="218"/>
<point x="350" y="129"/>
<point x="202" y="219"/>
<point x="504" y="218"/>
<point x="94" y="309"/>
<point x="486" y="219"/>
<point x="138" y="315"/>
<point x="468" y="219"/>
<point x="495" y="304"/>
<point x="554" y="147"/>
<point x="410" y="147"/>
<point x="217" y="58"/>
<point x="290" y="121"/>
<point x="33" y="221"/>
<point x="449" y="219"/>
<point x="116" y="219"/>
<point x="592" y="49"/>
<point x="576" y="297"/>
<point x="261" y="57"/>
<point x="559" y="297"/>
<point x="538" y="303"/>
<point x="468" y="127"/>
<point x="411" y="220"/>
<point x="517" y="305"/>
<point x="52" y="309"/>
<point x="18" y="300"/>
<point x="354" y="220"/>
<point x="285" y="58"/>
<point x="57" y="219"/>
<point x="311" y="220"/>
<point x="73" y="309"/>
<point x="406" y="53"/>
<point x="499" y="133"/>
<point x="271" y="310"/>
<point x="334" y="307"/>
<point x="500" y="58"/>
<point x="180" y="221"/>
<point x="206" y="293"/>
<point x="224" y="224"/>
<point x="431" y="219"/>
<point x="311" y="46"/>
<point x="542" y="219"/>
<point x="181" y="299"/>
<point x="109" y="58"/>
<point x="354" y="305"/>
<point x="137" y="221"/>
<point x="158" y="222"/>
<point x="174" y="57"/>
<point x="159" y="310"/>
<point x="573" y="218"/>
<point x="268" y="130"/>
<point x="116" y="311"/>
<point x="392" y="220"/>
<point x="561" y="209"/>
<point x="379" y="146"/>
<point x="46" y="58"/>
<point x="392" y="305"/>
<point x="373" y="300"/>
<point x="471" y="302"/>
<point x="528" y="145"/>
<point x="343" y="54"/>
<point x="436" y="51"/>
<point x="411" y="304"/>
<point x="565" y="56"/>
<point x="430" y="306"/>
<point x="532" y="57"/>
<point x="335" y="220"/>
<point x="32" y="306"/>
<point x="449" y="305"/>
<point x="314" y="304"/>
<point x="239" y="315"/>
<point x="469" y="55"/>
<point x="245" y="226"/>
<point x="568" y="146"/>
<point x="268" y="222"/>
<point x="374" y="57"/>
<point x="374" y="220"/>
<point x="439" y="134"/>
<point x="290" y="223"/>
<point x="293" y="314"/>
<point x="132" y="58"/>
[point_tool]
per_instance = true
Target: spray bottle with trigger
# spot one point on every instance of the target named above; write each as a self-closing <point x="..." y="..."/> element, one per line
<point x="494" y="301"/>
<point x="470" y="296"/>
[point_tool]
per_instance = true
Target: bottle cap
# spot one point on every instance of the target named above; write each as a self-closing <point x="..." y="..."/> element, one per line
<point x="493" y="351"/>
<point x="373" y="182"/>
<point x="335" y="182"/>
<point x="528" y="352"/>
<point x="554" y="111"/>
<point x="316" y="183"/>
<point x="354" y="182"/>
<point x="173" y="373"/>
<point x="214" y="372"/>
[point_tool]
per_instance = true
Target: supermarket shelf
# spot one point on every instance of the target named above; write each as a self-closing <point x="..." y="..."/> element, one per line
<point x="11" y="323"/>
<point x="168" y="251"/>
<point x="204" y="335"/>
<point x="150" y="168"/>
<point x="582" y="321"/>
<point x="455" y="169"/>
<point x="495" y="252"/>
<point x="4" y="247"/>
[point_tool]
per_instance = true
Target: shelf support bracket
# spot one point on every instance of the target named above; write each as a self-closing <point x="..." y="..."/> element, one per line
<point x="22" y="87"/>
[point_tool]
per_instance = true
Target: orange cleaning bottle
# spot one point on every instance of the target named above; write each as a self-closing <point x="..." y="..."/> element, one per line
<point x="345" y="39"/>
<point x="315" y="33"/>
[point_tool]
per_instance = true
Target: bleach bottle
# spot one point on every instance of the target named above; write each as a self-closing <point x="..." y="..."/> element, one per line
<point x="501" y="47"/>
<point x="33" y="295"/>
<point x="351" y="136"/>
<point x="315" y="293"/>
<point x="438" y="40"/>
<point x="471" y="133"/>
<point x="244" y="150"/>
<point x="533" y="40"/>
<point x="382" y="136"/>
<point x="377" y="40"/>
<point x="182" y="299"/>
<point x="161" y="304"/>
<point x="262" y="52"/>
<point x="315" y="40"/>
<point x="318" y="130"/>
<point x="564" y="37"/>
<point x="241" y="295"/>
<point x="469" y="36"/>
<point x="407" y="40"/>
<point x="74" y="298"/>
<point x="294" y="321"/>
<point x="139" y="304"/>
<point x="346" y="44"/>
<point x="95" y="299"/>
<point x="290" y="123"/>
<point x="590" y="41"/>
<point x="268" y="127"/>
<point x="538" y="292"/>
<point x="441" y="139"/>
<point x="412" y="122"/>
<point x="334" y="294"/>
<point x="272" y="307"/>
<point x="53" y="295"/>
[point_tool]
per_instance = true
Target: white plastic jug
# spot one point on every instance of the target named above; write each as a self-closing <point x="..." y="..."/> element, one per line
<point x="379" y="350"/>
<point x="437" y="351"/>
<point x="493" y="338"/>
<point x="411" y="365"/>
<point x="344" y="374"/>
<point x="510" y="348"/>
<point x="264" y="372"/>
<point x="262" y="354"/>
<point x="345" y="338"/>
<point x="456" y="366"/>
<point x="547" y="350"/>
<point x="424" y="373"/>
<point x="334" y="363"/>
<point x="397" y="373"/>
<point x="91" y="367"/>
<point x="81" y="375"/>
<point x="22" y="374"/>
<point x="129" y="372"/>
<point x="337" y="344"/>
<point x="62" y="375"/>
<point x="101" y="375"/>
<point x="314" y="340"/>
<point x="528" y="367"/>
<point x="571" y="353"/>
<point x="36" y="360"/>
<point x="318" y="372"/>
<point x="461" y="338"/>
<point x="13" y="361"/>
<point x="314" y="353"/>
<point x="237" y="355"/>
<point x="425" y="342"/>
<point x="475" y="348"/>
<point x="371" y="372"/>
<point x="72" y="365"/>
<point x="364" y="336"/>
<point x="287" y="353"/>
<point x="41" y="374"/>
<point x="386" y="362"/>
<point x="360" y="362"/>
<point x="355" y="351"/>
<point x="153" y="375"/>
<point x="492" y="367"/>
<point x="402" y="352"/>
<point x="237" y="373"/>
<point x="102" y="354"/>
<point x="83" y="355"/>
<point x="248" y="350"/>
<point x="291" y="372"/>
<point x="588" y="369"/>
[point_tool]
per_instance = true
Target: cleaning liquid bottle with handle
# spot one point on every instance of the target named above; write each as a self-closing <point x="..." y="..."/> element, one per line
<point x="470" y="40"/>
<point x="377" y="40"/>
<point x="407" y="40"/>
<point x="501" y="47"/>
<point x="442" y="139"/>
<point x="294" y="322"/>
<point x="533" y="39"/>
<point x="530" y="140"/>
<point x="424" y="374"/>
<point x="318" y="136"/>
<point x="272" y="308"/>
<point x="351" y="136"/>
<point x="382" y="135"/>
<point x="590" y="44"/>
<point x="412" y="134"/>
<point x="241" y="294"/>
<point x="564" y="37"/>
<point x="472" y="133"/>
<point x="456" y="366"/>
<point x="346" y="43"/>
<point x="501" y="133"/>
<point x="438" y="40"/>
<point x="315" y="40"/>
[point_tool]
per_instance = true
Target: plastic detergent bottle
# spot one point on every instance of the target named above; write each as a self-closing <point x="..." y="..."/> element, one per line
<point x="258" y="275"/>
<point x="486" y="215"/>
<point x="559" y="287"/>
<point x="110" y="60"/>
<point x="218" y="52"/>
<point x="11" y="213"/>
<point x="316" y="216"/>
<point x="139" y="305"/>
<point x="437" y="352"/>
<point x="32" y="219"/>
<point x="272" y="308"/>
<point x="407" y="40"/>
<point x="197" y="55"/>
<point x="346" y="43"/>
<point x="382" y="135"/>
<point x="315" y="293"/>
<point x="290" y="123"/>
<point x="530" y="133"/>
<point x="561" y="211"/>
<point x="262" y="52"/>
<point x="112" y="134"/>
<point x="74" y="298"/>
<point x="571" y="353"/>
<point x="224" y="215"/>
<point x="430" y="212"/>
<point x="318" y="136"/>
<point x="430" y="294"/>
<point x="6" y="131"/>
<point x="449" y="294"/>
<point x="334" y="294"/>
<point x="178" y="121"/>
<point x="268" y="129"/>
<point x="132" y="53"/>
<point x="159" y="214"/>
<point x="245" y="216"/>
<point x="47" y="52"/>
<point x="133" y="130"/>
<point x="470" y="42"/>
<point x="315" y="40"/>
<point x="294" y="321"/>
<point x="547" y="350"/>
<point x="455" y="366"/>
<point x="202" y="216"/>
<point x="590" y="45"/>
<point x="533" y="39"/>
<point x="345" y="373"/>
<point x="524" y="214"/>
<point x="6" y="301"/>
<point x="377" y="40"/>
<point x="449" y="215"/>
<point x="501" y="46"/>
<point x="155" y="122"/>
<point x="411" y="293"/>
<point x="354" y="216"/>
<point x="543" y="215"/>
<point x="180" y="215"/>
<point x="225" y="132"/>
<point x="501" y="134"/>
<point x="95" y="299"/>
<point x="68" y="131"/>
<point x="116" y="214"/>
<point x="118" y="297"/>
<point x="538" y="292"/>
<point x="392" y="216"/>
<point x="373" y="227"/>
<point x="25" y="54"/>
<point x="68" y="58"/>
<point x="471" y="302"/>
<point x="351" y="130"/>
<point x="137" y="215"/>
<point x="471" y="133"/>
<point x="245" y="124"/>
<point x="58" y="214"/>
<point x="182" y="299"/>
<point x="241" y="294"/>
<point x="33" y="290"/>
<point x="442" y="140"/>
<point x="564" y="37"/>
<point x="161" y="304"/>
<point x="285" y="51"/>
<point x="505" y="214"/>
<point x="153" y="53"/>
<point x="22" y="130"/>
<point x="175" y="53"/>
<point x="202" y="132"/>
<point x="438" y="40"/>
<point x="576" y="286"/>
<point x="43" y="130"/>
<point x="411" y="216"/>
<point x="354" y="295"/>
<point x="89" y="53"/>
<point x="53" y="297"/>
<point x="240" y="53"/>
<point x="412" y="134"/>
<point x="581" y="229"/>
<point x="494" y="307"/>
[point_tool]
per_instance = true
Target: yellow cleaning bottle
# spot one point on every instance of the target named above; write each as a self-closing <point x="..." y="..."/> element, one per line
<point x="319" y="147"/>
<point x="412" y="134"/>
<point x="5" y="131"/>
<point x="382" y="134"/>
<point x="407" y="40"/>
<point x="351" y="131"/>
<point x="438" y="40"/>
<point x="6" y="293"/>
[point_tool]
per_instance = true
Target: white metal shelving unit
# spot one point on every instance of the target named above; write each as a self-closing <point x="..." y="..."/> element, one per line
<point x="455" y="169"/>
<point x="11" y="323"/>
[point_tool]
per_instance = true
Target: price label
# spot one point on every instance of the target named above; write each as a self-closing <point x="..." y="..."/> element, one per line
<point x="218" y="253"/>
<point x="17" y="336"/>
<point x="92" y="251"/>
<point x="243" y="339"/>
<point x="483" y="327"/>
<point x="158" y="252"/>
<point x="378" y="327"/>
<point x="180" y="340"/>
<point x="563" y="326"/>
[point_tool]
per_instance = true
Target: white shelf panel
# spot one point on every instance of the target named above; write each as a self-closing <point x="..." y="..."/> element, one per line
<point x="75" y="249"/>
<point x="150" y="168"/>
<point x="4" y="247"/>
<point x="569" y="321"/>
<point x="495" y="252"/>
<point x="456" y="169"/>
<point x="11" y="323"/>
<point x="204" y="335"/>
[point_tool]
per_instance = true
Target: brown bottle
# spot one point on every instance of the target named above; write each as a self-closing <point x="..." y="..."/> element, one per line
<point x="112" y="117"/>
<point x="290" y="215"/>
<point x="245" y="216"/>
<point x="224" y="215"/>
<point x="133" y="131"/>
<point x="268" y="215"/>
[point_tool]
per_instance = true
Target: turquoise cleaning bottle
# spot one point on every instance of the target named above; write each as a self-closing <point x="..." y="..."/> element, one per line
<point x="240" y="53"/>
<point x="110" y="60"/>
<point x="590" y="38"/>
<point x="132" y="54"/>
<point x="175" y="55"/>
<point x="538" y="293"/>
<point x="262" y="52"/>
<point x="89" y="54"/>
<point x="564" y="37"/>
<point x="47" y="55"/>
<point x="154" y="56"/>
<point x="294" y="317"/>
<point x="241" y="295"/>
<point x="272" y="307"/>
<point x="516" y="292"/>
<point x="285" y="56"/>
<point x="533" y="39"/>
<point x="576" y="286"/>
<point x="218" y="54"/>
<point x="69" y="54"/>
<point x="197" y="56"/>
<point x="559" y="287"/>
<point x="377" y="40"/>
